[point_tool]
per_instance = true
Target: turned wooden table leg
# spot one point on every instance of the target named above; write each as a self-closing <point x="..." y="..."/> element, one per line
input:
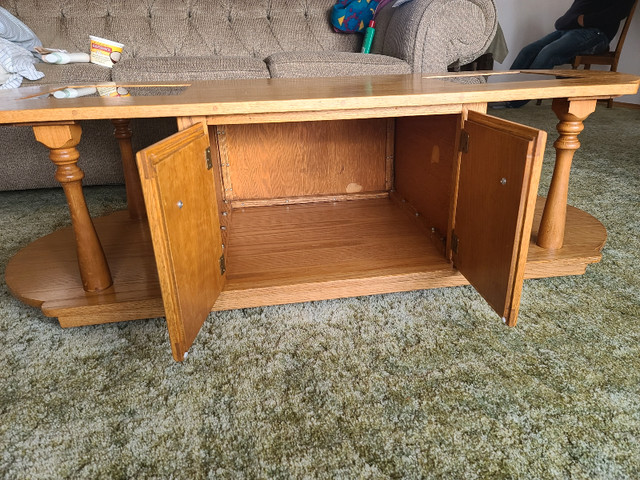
<point x="571" y="115"/>
<point x="61" y="141"/>
<point x="135" y="200"/>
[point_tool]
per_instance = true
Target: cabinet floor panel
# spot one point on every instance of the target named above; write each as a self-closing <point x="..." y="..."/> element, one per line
<point x="326" y="241"/>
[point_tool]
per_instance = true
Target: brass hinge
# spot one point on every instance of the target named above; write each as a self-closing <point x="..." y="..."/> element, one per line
<point x="208" y="157"/>
<point x="223" y="266"/>
<point x="464" y="141"/>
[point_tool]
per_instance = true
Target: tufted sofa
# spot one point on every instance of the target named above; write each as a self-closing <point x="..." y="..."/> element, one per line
<point x="178" y="40"/>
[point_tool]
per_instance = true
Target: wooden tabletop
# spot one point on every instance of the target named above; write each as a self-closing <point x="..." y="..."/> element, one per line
<point x="31" y="104"/>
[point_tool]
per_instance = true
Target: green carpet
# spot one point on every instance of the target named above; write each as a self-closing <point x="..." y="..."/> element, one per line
<point x="425" y="384"/>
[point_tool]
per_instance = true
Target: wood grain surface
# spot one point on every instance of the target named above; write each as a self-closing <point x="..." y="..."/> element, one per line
<point x="337" y="97"/>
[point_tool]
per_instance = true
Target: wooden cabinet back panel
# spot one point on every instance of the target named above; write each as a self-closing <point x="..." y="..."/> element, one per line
<point x="280" y="160"/>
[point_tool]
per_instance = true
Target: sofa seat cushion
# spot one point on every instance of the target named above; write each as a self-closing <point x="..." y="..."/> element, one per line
<point x="333" y="64"/>
<point x="71" y="73"/>
<point x="178" y="69"/>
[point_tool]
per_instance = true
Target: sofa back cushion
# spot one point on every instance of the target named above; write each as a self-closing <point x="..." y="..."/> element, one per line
<point x="164" y="28"/>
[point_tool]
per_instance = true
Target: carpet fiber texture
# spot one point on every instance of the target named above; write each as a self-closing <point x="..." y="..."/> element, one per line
<point x="425" y="384"/>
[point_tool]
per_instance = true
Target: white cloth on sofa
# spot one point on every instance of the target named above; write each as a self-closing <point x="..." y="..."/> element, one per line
<point x="18" y="62"/>
<point x="17" y="32"/>
<point x="4" y="75"/>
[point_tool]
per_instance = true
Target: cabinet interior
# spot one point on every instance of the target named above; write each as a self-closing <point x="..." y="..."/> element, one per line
<point x="326" y="201"/>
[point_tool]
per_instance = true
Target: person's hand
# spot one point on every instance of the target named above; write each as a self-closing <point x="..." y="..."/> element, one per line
<point x="581" y="20"/>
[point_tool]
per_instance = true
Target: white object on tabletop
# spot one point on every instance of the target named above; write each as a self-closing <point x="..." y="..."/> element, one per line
<point x="74" y="92"/>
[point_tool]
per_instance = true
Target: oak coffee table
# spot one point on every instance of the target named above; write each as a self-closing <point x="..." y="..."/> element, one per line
<point x="289" y="190"/>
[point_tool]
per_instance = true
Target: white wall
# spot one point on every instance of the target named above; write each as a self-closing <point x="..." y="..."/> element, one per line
<point x="524" y="21"/>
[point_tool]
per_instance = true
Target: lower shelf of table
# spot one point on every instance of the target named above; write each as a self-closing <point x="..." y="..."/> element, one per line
<point x="275" y="255"/>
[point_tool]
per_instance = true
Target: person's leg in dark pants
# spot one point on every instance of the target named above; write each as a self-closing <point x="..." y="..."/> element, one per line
<point x="581" y="41"/>
<point x="529" y="53"/>
<point x="558" y="48"/>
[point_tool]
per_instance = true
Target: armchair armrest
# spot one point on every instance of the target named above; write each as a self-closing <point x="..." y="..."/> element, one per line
<point x="432" y="34"/>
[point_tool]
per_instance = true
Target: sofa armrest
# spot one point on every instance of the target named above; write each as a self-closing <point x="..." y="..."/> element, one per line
<point x="432" y="34"/>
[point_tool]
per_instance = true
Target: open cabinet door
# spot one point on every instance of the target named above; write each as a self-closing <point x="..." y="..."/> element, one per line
<point x="497" y="182"/>
<point x="179" y="191"/>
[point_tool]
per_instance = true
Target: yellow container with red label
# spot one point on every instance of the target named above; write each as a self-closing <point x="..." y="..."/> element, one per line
<point x="105" y="52"/>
